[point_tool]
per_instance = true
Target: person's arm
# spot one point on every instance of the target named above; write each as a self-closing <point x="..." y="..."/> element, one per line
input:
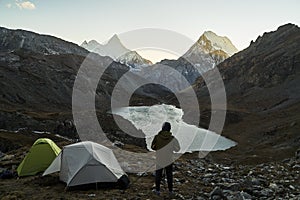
<point x="153" y="145"/>
<point x="176" y="145"/>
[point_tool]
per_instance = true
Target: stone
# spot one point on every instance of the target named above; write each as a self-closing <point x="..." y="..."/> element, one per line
<point x="255" y="181"/>
<point x="291" y="187"/>
<point x="234" y="186"/>
<point x="265" y="192"/>
<point x="273" y="186"/>
<point x="216" y="193"/>
<point x="246" y="196"/>
<point x="208" y="175"/>
<point x="296" y="167"/>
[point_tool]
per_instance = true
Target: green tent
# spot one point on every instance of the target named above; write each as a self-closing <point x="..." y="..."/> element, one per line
<point x="39" y="157"/>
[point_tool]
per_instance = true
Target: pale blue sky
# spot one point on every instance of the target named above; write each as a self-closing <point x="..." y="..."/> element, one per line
<point x="78" y="20"/>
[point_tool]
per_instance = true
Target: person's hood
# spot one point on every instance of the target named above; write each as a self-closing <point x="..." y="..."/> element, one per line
<point x="166" y="135"/>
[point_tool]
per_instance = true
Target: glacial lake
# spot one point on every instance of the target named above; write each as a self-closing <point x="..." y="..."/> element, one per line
<point x="149" y="119"/>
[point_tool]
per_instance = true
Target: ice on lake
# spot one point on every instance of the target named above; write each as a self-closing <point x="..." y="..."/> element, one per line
<point x="149" y="119"/>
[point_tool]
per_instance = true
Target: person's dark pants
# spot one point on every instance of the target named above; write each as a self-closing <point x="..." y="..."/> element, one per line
<point x="169" y="173"/>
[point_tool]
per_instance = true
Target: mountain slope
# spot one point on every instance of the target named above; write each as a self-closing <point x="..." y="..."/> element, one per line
<point x="209" y="50"/>
<point x="37" y="79"/>
<point x="205" y="54"/>
<point x="45" y="44"/>
<point x="267" y="63"/>
<point x="36" y="85"/>
<point x="262" y="85"/>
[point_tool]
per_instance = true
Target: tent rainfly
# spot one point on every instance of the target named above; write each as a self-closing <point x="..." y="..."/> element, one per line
<point x="40" y="156"/>
<point x="87" y="162"/>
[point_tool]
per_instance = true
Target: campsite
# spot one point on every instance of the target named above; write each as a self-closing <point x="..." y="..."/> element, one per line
<point x="194" y="178"/>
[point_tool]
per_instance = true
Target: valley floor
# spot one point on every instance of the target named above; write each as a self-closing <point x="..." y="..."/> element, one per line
<point x="194" y="178"/>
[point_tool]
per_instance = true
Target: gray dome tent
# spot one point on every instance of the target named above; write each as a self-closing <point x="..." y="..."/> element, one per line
<point x="87" y="162"/>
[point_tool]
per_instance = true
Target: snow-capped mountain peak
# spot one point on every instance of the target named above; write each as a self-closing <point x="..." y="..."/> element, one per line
<point x="117" y="51"/>
<point x="209" y="50"/>
<point x="91" y="45"/>
<point x="133" y="59"/>
<point x="209" y="42"/>
<point x="114" y="40"/>
<point x="113" y="48"/>
<point x="220" y="43"/>
<point x="84" y="43"/>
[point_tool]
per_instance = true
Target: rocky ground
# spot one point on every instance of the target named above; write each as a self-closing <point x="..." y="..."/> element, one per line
<point x="194" y="178"/>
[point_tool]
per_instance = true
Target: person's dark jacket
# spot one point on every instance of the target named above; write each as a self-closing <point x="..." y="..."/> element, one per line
<point x="162" y="139"/>
<point x="165" y="144"/>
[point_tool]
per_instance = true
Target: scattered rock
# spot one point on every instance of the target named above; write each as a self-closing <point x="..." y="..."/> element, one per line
<point x="291" y="187"/>
<point x="217" y="193"/>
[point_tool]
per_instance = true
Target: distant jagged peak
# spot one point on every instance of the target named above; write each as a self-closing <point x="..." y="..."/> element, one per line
<point x="93" y="42"/>
<point x="84" y="43"/>
<point x="115" y="49"/>
<point x="133" y="59"/>
<point x="115" y="44"/>
<point x="266" y="62"/>
<point x="211" y="35"/>
<point x="287" y="26"/>
<point x="112" y="42"/>
<point x="114" y="39"/>
<point x="276" y="36"/>
<point x="209" y="50"/>
<point x="220" y="42"/>
<point x="91" y="45"/>
<point x="209" y="42"/>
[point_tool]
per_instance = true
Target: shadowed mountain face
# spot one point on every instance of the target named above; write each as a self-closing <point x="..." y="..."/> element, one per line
<point x="43" y="44"/>
<point x="262" y="85"/>
<point x="263" y="74"/>
<point x="37" y="78"/>
<point x="44" y="82"/>
<point x="36" y="90"/>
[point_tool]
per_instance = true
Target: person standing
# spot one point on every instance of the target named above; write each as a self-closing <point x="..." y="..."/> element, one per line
<point x="165" y="145"/>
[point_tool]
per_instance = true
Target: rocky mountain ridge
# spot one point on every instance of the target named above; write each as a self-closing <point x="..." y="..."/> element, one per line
<point x="262" y="84"/>
<point x="117" y="51"/>
<point x="209" y="50"/>
<point x="134" y="60"/>
<point x="44" y="44"/>
<point x="205" y="54"/>
<point x="36" y="87"/>
<point x="113" y="48"/>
